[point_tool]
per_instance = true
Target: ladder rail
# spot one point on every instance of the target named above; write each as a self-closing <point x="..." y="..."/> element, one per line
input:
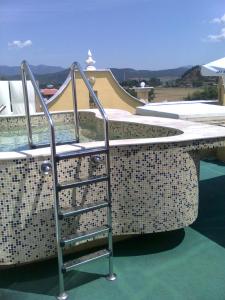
<point x="26" y="70"/>
<point x="76" y="66"/>
<point x="75" y="107"/>
<point x="54" y="159"/>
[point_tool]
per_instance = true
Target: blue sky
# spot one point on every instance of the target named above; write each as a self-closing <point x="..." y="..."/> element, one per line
<point x="141" y="34"/>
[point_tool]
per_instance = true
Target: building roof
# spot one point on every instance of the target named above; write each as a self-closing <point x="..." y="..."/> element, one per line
<point x="48" y="92"/>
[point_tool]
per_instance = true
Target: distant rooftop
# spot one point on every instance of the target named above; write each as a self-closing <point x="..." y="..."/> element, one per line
<point x="48" y="92"/>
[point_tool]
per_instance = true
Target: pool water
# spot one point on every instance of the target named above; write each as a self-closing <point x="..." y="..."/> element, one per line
<point x="16" y="139"/>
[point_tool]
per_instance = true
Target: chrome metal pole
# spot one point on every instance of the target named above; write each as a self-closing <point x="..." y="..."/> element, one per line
<point x="62" y="294"/>
<point x="94" y="97"/>
<point x="25" y="68"/>
<point x="26" y="104"/>
<point x="75" y="108"/>
<point x="111" y="276"/>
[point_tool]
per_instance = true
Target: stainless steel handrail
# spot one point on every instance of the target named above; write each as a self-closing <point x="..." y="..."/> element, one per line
<point x="75" y="108"/>
<point x="76" y="66"/>
<point x="26" y="70"/>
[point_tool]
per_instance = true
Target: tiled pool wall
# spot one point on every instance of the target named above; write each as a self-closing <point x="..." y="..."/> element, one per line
<point x="124" y="130"/>
<point x="88" y="120"/>
<point x="9" y="122"/>
<point x="154" y="188"/>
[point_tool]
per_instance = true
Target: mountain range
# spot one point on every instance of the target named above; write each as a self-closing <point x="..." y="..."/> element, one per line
<point x="40" y="70"/>
<point x="167" y="74"/>
<point x="57" y="75"/>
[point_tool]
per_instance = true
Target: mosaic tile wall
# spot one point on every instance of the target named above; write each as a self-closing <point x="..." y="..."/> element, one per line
<point x="123" y="130"/>
<point x="38" y="120"/>
<point x="117" y="130"/>
<point x="154" y="188"/>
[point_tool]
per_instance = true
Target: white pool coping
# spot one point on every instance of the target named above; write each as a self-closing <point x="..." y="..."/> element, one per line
<point x="183" y="110"/>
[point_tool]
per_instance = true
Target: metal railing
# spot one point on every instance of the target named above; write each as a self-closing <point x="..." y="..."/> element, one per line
<point x="25" y="70"/>
<point x="75" y="67"/>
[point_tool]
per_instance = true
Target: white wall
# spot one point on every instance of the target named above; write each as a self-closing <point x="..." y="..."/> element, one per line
<point x="5" y="97"/>
<point x="11" y="94"/>
<point x="16" y="91"/>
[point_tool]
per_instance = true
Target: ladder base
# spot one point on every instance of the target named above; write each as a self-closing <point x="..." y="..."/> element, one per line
<point x="111" y="277"/>
<point x="63" y="296"/>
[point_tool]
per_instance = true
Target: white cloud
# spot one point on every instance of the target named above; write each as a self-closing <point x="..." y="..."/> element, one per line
<point x="20" y="44"/>
<point x="221" y="35"/>
<point x="219" y="20"/>
<point x="217" y="37"/>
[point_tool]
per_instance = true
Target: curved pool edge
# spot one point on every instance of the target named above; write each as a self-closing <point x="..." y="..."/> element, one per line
<point x="187" y="132"/>
<point x="154" y="189"/>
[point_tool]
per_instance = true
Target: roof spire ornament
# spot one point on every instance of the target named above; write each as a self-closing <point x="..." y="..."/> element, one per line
<point x="90" y="62"/>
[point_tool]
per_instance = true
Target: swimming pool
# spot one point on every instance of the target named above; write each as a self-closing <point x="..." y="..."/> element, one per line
<point x="15" y="139"/>
<point x="154" y="176"/>
<point x="13" y="136"/>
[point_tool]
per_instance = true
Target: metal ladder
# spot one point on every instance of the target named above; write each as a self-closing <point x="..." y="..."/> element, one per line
<point x="60" y="214"/>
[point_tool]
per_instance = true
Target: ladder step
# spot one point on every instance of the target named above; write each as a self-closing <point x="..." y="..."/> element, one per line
<point x="81" y="153"/>
<point x="84" y="259"/>
<point x="82" y="209"/>
<point x="36" y="146"/>
<point x="85" y="235"/>
<point x="81" y="182"/>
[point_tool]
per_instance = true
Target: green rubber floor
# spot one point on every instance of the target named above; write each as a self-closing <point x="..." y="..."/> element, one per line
<point x="180" y="265"/>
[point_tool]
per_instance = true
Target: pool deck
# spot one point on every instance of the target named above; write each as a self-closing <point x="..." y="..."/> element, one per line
<point x="184" y="110"/>
<point x="189" y="131"/>
<point x="183" y="264"/>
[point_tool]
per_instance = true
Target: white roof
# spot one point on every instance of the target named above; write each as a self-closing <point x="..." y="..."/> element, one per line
<point x="214" y="68"/>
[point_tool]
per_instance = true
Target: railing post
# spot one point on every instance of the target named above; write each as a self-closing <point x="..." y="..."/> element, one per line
<point x="75" y="108"/>
<point x="111" y="276"/>
<point x="26" y="103"/>
<point x="25" y="69"/>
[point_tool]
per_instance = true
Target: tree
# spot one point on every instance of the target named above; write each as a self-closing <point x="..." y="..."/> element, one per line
<point x="154" y="82"/>
<point x="129" y="83"/>
<point x="131" y="92"/>
<point x="151" y="95"/>
<point x="208" y="93"/>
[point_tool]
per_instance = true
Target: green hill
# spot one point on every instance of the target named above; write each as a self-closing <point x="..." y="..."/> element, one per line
<point x="193" y="77"/>
<point x="57" y="78"/>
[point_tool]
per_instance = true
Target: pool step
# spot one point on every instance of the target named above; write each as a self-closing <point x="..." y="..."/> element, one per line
<point x="85" y="235"/>
<point x="82" y="182"/>
<point x="81" y="153"/>
<point x="66" y="213"/>
<point x="37" y="146"/>
<point x="84" y="259"/>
